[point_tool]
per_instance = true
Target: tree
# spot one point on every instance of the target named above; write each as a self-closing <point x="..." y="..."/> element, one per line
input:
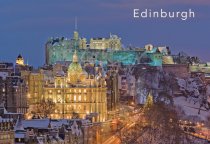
<point x="158" y="124"/>
<point x="45" y="108"/>
<point x="162" y="126"/>
<point x="149" y="101"/>
<point x="208" y="121"/>
<point x="75" y="115"/>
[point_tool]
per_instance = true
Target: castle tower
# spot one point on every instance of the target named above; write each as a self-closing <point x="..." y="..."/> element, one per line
<point x="20" y="60"/>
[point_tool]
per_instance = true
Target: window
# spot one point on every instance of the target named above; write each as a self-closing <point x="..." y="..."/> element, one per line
<point x="59" y="82"/>
<point x="75" y="98"/>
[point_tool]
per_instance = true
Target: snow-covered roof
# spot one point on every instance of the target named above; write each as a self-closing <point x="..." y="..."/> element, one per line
<point x="19" y="125"/>
<point x="36" y="123"/>
<point x="19" y="135"/>
<point x="5" y="119"/>
<point x="4" y="75"/>
<point x="75" y="129"/>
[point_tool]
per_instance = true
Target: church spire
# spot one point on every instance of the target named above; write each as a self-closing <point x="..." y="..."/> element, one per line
<point x="75" y="24"/>
<point x="76" y="34"/>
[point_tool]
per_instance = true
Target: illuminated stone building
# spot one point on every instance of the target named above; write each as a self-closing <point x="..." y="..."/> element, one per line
<point x="21" y="66"/>
<point x="201" y="68"/>
<point x="6" y="67"/>
<point x="113" y="42"/>
<point x="13" y="87"/>
<point x="104" y="50"/>
<point x="6" y="131"/>
<point x="73" y="92"/>
<point x="63" y="48"/>
<point x="20" y="60"/>
<point x="112" y="87"/>
<point x="99" y="49"/>
<point x="35" y="87"/>
<point x="13" y="92"/>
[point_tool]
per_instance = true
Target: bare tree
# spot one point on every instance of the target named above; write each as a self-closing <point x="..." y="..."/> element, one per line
<point x="158" y="124"/>
<point x="45" y="108"/>
<point x="162" y="126"/>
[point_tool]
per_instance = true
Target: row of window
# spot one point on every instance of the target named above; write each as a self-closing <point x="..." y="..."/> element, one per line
<point x="76" y="91"/>
<point x="4" y="136"/>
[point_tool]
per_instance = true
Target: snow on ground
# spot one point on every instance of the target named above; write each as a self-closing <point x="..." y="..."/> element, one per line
<point x="190" y="108"/>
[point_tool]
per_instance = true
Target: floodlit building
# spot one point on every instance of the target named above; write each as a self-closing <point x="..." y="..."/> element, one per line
<point x="20" y="60"/>
<point x="201" y="68"/>
<point x="74" y="92"/>
<point x="35" y="87"/>
<point x="113" y="42"/>
<point x="100" y="49"/>
<point x="13" y="92"/>
<point x="6" y="131"/>
<point x="112" y="88"/>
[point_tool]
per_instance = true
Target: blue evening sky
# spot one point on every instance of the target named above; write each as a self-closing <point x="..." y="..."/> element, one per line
<point x="25" y="25"/>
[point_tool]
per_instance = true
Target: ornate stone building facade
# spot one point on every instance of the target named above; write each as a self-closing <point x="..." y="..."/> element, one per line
<point x="13" y="92"/>
<point x="74" y="92"/>
<point x="99" y="49"/>
<point x="113" y="42"/>
<point x="6" y="131"/>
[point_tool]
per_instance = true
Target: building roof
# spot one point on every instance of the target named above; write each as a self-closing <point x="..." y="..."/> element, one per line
<point x="75" y="69"/>
<point x="19" y="125"/>
<point x="19" y="57"/>
<point x="19" y="135"/>
<point x="36" y="123"/>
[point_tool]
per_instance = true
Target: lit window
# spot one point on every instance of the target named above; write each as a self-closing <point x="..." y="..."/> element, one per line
<point x="79" y="98"/>
<point x="70" y="97"/>
<point x="85" y="91"/>
<point x="75" y="98"/>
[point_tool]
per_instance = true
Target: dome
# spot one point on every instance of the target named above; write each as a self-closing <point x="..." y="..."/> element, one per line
<point x="75" y="69"/>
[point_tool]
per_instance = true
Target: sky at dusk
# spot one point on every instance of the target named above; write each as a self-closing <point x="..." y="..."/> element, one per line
<point x="25" y="25"/>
